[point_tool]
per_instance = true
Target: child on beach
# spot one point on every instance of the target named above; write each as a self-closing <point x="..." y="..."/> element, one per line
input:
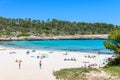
<point x="20" y="64"/>
<point x="40" y="64"/>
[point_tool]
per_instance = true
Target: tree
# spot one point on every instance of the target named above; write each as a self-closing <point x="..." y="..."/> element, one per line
<point x="113" y="42"/>
<point x="51" y="27"/>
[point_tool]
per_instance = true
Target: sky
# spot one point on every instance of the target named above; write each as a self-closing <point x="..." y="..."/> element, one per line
<point x="106" y="11"/>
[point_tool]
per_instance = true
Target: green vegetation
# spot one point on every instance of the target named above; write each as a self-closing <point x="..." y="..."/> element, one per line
<point x="73" y="73"/>
<point x="113" y="43"/>
<point x="111" y="73"/>
<point x="11" y="27"/>
<point x="114" y="62"/>
<point x="23" y="34"/>
<point x="113" y="70"/>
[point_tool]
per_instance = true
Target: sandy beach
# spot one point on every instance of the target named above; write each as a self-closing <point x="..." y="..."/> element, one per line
<point x="51" y="61"/>
<point x="65" y="37"/>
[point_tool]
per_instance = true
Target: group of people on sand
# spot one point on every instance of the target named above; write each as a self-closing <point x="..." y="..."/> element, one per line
<point x="90" y="56"/>
<point x="70" y="59"/>
<point x="20" y="61"/>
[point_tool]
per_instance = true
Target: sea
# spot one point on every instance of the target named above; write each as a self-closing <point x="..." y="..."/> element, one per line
<point x="94" y="46"/>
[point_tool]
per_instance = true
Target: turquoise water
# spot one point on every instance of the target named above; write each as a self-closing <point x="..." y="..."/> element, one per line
<point x="63" y="45"/>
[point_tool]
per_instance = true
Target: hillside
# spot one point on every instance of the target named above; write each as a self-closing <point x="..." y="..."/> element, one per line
<point x="11" y="27"/>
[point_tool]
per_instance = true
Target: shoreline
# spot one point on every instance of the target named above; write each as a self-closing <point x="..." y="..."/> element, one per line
<point x="53" y="50"/>
<point x="74" y="37"/>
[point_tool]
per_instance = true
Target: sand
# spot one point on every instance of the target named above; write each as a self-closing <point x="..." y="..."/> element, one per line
<point x="51" y="61"/>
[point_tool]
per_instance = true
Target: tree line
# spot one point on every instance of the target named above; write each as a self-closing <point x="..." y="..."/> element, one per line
<point x="16" y="27"/>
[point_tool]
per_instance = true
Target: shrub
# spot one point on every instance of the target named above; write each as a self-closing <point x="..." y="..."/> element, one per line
<point x="23" y="35"/>
<point x="114" y="62"/>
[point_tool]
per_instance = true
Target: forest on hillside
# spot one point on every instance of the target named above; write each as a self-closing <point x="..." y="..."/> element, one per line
<point x="16" y="27"/>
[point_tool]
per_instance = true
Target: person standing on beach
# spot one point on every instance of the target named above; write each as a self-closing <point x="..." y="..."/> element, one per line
<point x="20" y="64"/>
<point x="40" y="64"/>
